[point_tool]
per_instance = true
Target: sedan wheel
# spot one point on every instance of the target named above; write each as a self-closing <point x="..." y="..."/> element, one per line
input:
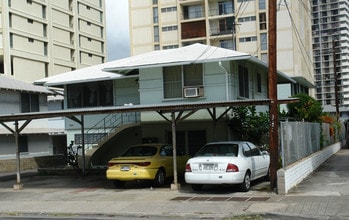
<point x="118" y="183"/>
<point x="246" y="184"/>
<point x="196" y="187"/>
<point x="159" y="178"/>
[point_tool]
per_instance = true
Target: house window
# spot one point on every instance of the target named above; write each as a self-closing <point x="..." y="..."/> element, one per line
<point x="177" y="77"/>
<point x="155" y="15"/>
<point x="156" y="34"/>
<point x="168" y="9"/>
<point x="193" y="75"/>
<point x="227" y="44"/>
<point x="193" y="11"/>
<point x="90" y="94"/>
<point x="261" y="5"/>
<point x="29" y="102"/>
<point x="170" y="28"/>
<point x="227" y="25"/>
<point x="172" y="82"/>
<point x="259" y="83"/>
<point x="264" y="41"/>
<point x="243" y="81"/>
<point x="262" y="21"/>
<point x="23" y="143"/>
<point x="170" y="47"/>
<point x="225" y="7"/>
<point x="247" y="39"/>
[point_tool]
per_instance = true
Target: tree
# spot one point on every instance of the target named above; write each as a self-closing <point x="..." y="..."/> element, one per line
<point x="249" y="125"/>
<point x="307" y="108"/>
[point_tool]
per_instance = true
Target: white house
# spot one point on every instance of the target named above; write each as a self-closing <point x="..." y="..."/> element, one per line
<point x="193" y="74"/>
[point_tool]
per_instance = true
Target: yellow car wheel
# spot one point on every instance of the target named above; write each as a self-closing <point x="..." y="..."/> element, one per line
<point x="118" y="183"/>
<point x="159" y="178"/>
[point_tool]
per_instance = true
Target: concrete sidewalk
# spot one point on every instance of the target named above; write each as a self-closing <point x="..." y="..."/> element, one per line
<point x="324" y="195"/>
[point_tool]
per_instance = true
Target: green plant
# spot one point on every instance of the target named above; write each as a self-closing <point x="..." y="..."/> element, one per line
<point x="248" y="124"/>
<point x="306" y="109"/>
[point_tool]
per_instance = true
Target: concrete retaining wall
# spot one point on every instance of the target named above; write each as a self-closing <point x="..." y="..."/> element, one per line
<point x="9" y="165"/>
<point x="295" y="173"/>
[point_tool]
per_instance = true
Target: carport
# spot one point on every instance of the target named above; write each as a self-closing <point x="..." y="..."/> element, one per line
<point x="173" y="113"/>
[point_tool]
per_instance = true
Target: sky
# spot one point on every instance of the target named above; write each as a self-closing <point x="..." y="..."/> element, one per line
<point x="118" y="41"/>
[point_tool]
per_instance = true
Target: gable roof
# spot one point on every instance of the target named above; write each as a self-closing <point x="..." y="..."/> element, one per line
<point x="195" y="53"/>
<point x="7" y="83"/>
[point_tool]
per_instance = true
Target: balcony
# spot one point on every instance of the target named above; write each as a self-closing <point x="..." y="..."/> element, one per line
<point x="221" y="11"/>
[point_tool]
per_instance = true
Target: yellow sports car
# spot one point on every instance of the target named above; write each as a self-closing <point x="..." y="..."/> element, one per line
<point x="145" y="162"/>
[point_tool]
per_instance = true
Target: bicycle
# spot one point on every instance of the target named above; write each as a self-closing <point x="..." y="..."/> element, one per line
<point x="72" y="157"/>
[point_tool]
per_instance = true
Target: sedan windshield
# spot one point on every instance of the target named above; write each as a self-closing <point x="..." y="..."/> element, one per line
<point x="218" y="150"/>
<point x="140" y="151"/>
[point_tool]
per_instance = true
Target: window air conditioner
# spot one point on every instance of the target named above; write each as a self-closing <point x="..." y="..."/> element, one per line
<point x="191" y="92"/>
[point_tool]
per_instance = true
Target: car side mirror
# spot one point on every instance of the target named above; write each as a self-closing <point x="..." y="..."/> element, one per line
<point x="265" y="152"/>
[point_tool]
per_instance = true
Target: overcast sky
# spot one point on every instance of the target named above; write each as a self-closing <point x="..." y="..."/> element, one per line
<point x="117" y="29"/>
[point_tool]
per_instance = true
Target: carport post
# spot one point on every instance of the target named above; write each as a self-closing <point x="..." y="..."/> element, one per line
<point x="18" y="184"/>
<point x="83" y="143"/>
<point x="175" y="184"/>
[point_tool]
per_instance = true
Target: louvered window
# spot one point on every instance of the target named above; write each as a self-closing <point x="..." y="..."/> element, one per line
<point x="177" y="77"/>
<point x="243" y="81"/>
<point x="192" y="75"/>
<point x="172" y="82"/>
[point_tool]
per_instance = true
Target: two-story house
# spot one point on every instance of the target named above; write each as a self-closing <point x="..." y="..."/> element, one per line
<point x="189" y="75"/>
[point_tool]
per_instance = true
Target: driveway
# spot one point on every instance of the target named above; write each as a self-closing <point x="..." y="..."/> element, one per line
<point x="323" y="195"/>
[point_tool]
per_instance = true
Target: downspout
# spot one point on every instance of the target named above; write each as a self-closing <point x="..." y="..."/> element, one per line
<point x="226" y="89"/>
<point x="226" y="80"/>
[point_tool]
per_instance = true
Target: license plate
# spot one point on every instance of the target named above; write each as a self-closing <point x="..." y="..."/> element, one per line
<point x="125" y="168"/>
<point x="208" y="166"/>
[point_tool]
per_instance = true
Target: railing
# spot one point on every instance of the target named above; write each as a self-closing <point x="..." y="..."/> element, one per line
<point x="223" y="11"/>
<point x="104" y="127"/>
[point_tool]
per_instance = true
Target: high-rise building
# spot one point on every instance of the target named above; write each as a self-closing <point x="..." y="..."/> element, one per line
<point x="47" y="37"/>
<point x="240" y="25"/>
<point x="331" y="51"/>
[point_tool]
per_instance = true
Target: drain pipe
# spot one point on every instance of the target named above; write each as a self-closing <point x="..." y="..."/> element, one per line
<point x="226" y="90"/>
<point x="226" y="80"/>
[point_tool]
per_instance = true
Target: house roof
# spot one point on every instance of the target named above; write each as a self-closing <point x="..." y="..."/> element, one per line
<point x="87" y="74"/>
<point x="195" y="53"/>
<point x="7" y="83"/>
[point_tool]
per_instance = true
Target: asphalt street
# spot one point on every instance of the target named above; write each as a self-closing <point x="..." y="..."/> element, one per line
<point x="323" y="195"/>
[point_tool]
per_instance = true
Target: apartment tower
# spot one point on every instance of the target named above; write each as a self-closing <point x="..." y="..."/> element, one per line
<point x="42" y="38"/>
<point x="240" y="25"/>
<point x="331" y="51"/>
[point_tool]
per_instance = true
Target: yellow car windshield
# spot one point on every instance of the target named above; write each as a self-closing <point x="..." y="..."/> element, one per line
<point x="140" y="151"/>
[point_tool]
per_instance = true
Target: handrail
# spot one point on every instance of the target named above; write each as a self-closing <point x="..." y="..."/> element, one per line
<point x="108" y="124"/>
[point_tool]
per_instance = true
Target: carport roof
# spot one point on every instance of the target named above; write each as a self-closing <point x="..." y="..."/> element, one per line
<point x="174" y="107"/>
<point x="195" y="53"/>
<point x="130" y="108"/>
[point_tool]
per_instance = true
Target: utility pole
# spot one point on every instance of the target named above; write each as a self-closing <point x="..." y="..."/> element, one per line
<point x="272" y="92"/>
<point x="335" y="78"/>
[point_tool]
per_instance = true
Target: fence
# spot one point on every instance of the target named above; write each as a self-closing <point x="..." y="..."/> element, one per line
<point x="300" y="139"/>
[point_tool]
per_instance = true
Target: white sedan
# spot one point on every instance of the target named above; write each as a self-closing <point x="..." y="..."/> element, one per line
<point x="233" y="162"/>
